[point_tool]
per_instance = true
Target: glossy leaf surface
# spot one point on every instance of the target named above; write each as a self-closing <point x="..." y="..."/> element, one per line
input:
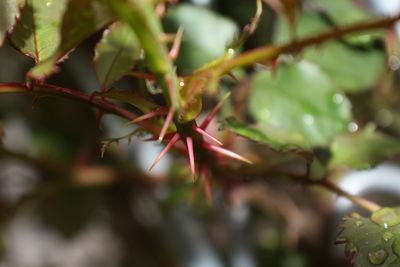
<point x="116" y="53"/>
<point x="351" y="68"/>
<point x="82" y="18"/>
<point x="37" y="34"/>
<point x="362" y="149"/>
<point x="369" y="244"/>
<point x="302" y="100"/>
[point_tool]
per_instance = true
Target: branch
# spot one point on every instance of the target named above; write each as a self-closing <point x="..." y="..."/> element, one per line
<point x="51" y="90"/>
<point x="269" y="52"/>
<point x="362" y="202"/>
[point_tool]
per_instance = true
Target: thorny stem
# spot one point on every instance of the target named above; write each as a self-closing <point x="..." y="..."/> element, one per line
<point x="224" y="66"/>
<point x="50" y="90"/>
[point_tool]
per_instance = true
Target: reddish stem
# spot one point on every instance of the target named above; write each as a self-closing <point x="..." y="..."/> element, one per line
<point x="51" y="90"/>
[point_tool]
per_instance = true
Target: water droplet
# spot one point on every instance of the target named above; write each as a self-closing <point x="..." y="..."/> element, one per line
<point x="338" y="98"/>
<point x="378" y="256"/>
<point x="394" y="62"/>
<point x="231" y="51"/>
<point x="265" y="114"/>
<point x="181" y="83"/>
<point x="384" y="117"/>
<point x="396" y="246"/>
<point x="350" y="249"/>
<point x="359" y="223"/>
<point x="387" y="236"/>
<point x="352" y="127"/>
<point x="365" y="38"/>
<point x="308" y="119"/>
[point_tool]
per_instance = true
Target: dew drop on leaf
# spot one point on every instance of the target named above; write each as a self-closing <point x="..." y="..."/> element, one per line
<point x="359" y="223"/>
<point x="387" y="236"/>
<point x="338" y="98"/>
<point x="377" y="257"/>
<point x="353" y="127"/>
<point x="308" y="119"/>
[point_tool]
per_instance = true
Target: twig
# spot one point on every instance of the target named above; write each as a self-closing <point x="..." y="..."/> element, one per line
<point x="362" y="202"/>
<point x="269" y="52"/>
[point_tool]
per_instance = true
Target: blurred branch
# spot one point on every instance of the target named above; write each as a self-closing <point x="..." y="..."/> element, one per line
<point x="270" y="52"/>
<point x="362" y="202"/>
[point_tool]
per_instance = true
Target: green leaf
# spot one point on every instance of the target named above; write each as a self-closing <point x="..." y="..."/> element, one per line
<point x="116" y="53"/>
<point x="37" y="34"/>
<point x="351" y="68"/>
<point x="362" y="149"/>
<point x="386" y="217"/>
<point x="82" y="18"/>
<point x="369" y="244"/>
<point x="277" y="139"/>
<point x="301" y="100"/>
<point x="131" y="97"/>
<point x="9" y="13"/>
<point x="204" y="38"/>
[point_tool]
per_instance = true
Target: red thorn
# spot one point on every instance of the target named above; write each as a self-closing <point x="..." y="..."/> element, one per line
<point x="170" y="144"/>
<point x="174" y="52"/>
<point x="214" y="111"/>
<point x="100" y="115"/>
<point x="189" y="143"/>
<point x="274" y="63"/>
<point x="149" y="115"/>
<point x="102" y="151"/>
<point x="160" y="10"/>
<point x="168" y="121"/>
<point x="142" y="75"/>
<point x="225" y="152"/>
<point x="230" y="74"/>
<point x="35" y="100"/>
<point x="207" y="188"/>
<point x="209" y="136"/>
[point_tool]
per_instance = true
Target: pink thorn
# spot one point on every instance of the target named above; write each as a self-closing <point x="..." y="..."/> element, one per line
<point x="213" y="112"/>
<point x="189" y="143"/>
<point x="142" y="75"/>
<point x="148" y="115"/>
<point x="174" y="52"/>
<point x="202" y="132"/>
<point x="102" y="152"/>
<point x="35" y="100"/>
<point x="207" y="187"/>
<point x="168" y="121"/>
<point x="230" y="74"/>
<point x="100" y="115"/>
<point x="170" y="144"/>
<point x="225" y="152"/>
